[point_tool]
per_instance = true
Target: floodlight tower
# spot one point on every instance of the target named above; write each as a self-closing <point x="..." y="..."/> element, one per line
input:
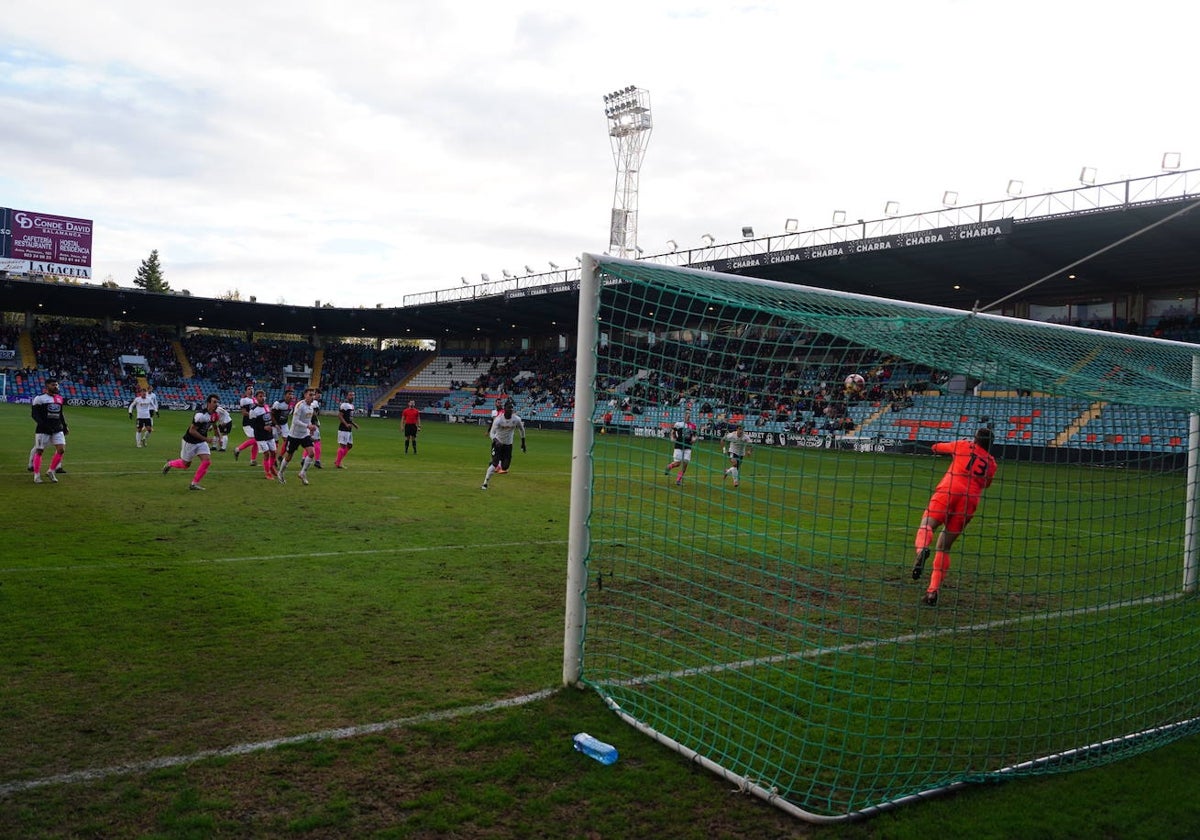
<point x="629" y="124"/>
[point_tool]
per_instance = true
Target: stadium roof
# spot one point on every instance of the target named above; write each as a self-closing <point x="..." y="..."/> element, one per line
<point x="1147" y="241"/>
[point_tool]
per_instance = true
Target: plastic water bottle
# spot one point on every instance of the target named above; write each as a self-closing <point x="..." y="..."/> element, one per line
<point x="595" y="748"/>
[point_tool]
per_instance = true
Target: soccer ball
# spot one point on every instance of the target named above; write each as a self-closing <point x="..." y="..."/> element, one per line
<point x="855" y="381"/>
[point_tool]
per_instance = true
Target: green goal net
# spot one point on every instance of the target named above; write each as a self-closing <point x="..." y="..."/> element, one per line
<point x="762" y="614"/>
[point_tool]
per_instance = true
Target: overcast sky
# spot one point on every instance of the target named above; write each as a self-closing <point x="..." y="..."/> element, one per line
<point x="355" y="153"/>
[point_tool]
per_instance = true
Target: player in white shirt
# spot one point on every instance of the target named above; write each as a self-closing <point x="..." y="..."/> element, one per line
<point x="736" y="447"/>
<point x="224" y="427"/>
<point x="300" y="437"/>
<point x="145" y="406"/>
<point x="245" y="404"/>
<point x="503" y="429"/>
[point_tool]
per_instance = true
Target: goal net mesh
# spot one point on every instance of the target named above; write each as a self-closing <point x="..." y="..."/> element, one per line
<point x="766" y="619"/>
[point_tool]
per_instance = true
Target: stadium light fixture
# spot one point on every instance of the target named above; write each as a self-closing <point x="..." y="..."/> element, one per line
<point x="950" y="198"/>
<point x="791" y="225"/>
<point x="1015" y="187"/>
<point x="891" y="208"/>
<point x="747" y="232"/>
<point x="639" y="250"/>
<point x="465" y="281"/>
<point x="553" y="266"/>
<point x="839" y="217"/>
<point x="708" y="239"/>
<point x="529" y="270"/>
<point x="673" y="245"/>
<point x="1087" y="176"/>
<point x="506" y="273"/>
<point x="485" y="278"/>
<point x="1171" y="161"/>
<point x="579" y="260"/>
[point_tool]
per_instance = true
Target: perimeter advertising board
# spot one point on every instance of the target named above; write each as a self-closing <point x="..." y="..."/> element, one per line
<point x="40" y="243"/>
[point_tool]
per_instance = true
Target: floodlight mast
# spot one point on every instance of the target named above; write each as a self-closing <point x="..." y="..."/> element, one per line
<point x="629" y="125"/>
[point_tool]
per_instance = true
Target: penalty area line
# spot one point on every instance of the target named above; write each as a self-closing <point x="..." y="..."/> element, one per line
<point x="342" y="733"/>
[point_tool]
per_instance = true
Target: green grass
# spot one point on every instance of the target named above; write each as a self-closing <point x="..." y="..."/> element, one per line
<point x="141" y="621"/>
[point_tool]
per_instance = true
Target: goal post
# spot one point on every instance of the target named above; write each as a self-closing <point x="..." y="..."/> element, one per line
<point x="762" y="615"/>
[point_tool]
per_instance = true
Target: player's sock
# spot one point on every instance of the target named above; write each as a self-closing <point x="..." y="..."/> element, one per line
<point x="55" y="461"/>
<point x="176" y="464"/>
<point x="941" y="565"/>
<point x="200" y="471"/>
<point x="406" y="447"/>
<point x="414" y="447"/>
<point x="32" y="452"/>
<point x="491" y="471"/>
<point x="268" y="465"/>
<point x="37" y="463"/>
<point x="316" y="450"/>
<point x="246" y="444"/>
<point x="337" y="462"/>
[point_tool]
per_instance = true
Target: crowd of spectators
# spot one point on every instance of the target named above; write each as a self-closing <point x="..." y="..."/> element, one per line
<point x="90" y="355"/>
<point x="231" y="361"/>
<point x="350" y="364"/>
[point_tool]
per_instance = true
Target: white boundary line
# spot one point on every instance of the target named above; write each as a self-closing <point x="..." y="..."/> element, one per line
<point x="139" y="767"/>
<point x="254" y="557"/>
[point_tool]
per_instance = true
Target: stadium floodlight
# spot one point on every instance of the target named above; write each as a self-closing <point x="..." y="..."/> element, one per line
<point x="638" y="249"/>
<point x="747" y="232"/>
<point x="708" y="239"/>
<point x="673" y="245"/>
<point x="1015" y="187"/>
<point x="465" y="281"/>
<point x="485" y="278"/>
<point x="1171" y="161"/>
<point x="839" y="217"/>
<point x="1087" y="175"/>
<point x="529" y="270"/>
<point x="791" y="225"/>
<point x="507" y="274"/>
<point x="553" y="266"/>
<point x="950" y="198"/>
<point x="891" y="208"/>
<point x="629" y="126"/>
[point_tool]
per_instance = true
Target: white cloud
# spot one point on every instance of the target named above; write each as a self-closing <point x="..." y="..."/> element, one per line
<point x="360" y="153"/>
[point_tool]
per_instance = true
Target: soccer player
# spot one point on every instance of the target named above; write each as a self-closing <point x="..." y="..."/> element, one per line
<point x="346" y="427"/>
<point x="953" y="504"/>
<point x="736" y="447"/>
<point x="195" y="443"/>
<point x="411" y="420"/>
<point x="683" y="434"/>
<point x="280" y="409"/>
<point x="264" y="432"/>
<point x="246" y="403"/>
<point x="224" y="427"/>
<point x="299" y="437"/>
<point x="504" y="427"/>
<point x="37" y="447"/>
<point x="316" y="435"/>
<point x="51" y="430"/>
<point x="145" y="405"/>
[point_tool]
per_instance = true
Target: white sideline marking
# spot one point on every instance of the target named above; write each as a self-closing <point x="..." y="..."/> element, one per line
<point x="138" y="767"/>
<point x="252" y="557"/>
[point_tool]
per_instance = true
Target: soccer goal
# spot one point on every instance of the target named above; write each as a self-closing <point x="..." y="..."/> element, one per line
<point x="764" y="618"/>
